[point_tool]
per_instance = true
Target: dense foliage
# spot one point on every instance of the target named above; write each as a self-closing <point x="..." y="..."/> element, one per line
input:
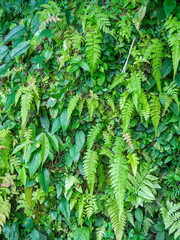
<point x="89" y="119"/>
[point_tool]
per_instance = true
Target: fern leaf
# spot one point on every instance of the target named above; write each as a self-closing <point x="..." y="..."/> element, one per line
<point x="155" y="111"/>
<point x="90" y="104"/>
<point x="5" y="208"/>
<point x="100" y="232"/>
<point x="111" y="103"/>
<point x="93" y="49"/>
<point x="157" y="56"/>
<point x="173" y="27"/>
<point x="146" y="106"/>
<point x="119" y="79"/>
<point x="95" y="130"/>
<point x="72" y="104"/>
<point x="133" y="160"/>
<point x="26" y="101"/>
<point x="117" y="220"/>
<point x="91" y="205"/>
<point x="118" y="174"/>
<point x="90" y="167"/>
<point x="127" y="114"/>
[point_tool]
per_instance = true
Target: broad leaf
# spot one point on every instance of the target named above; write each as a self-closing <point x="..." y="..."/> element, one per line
<point x="169" y="6"/>
<point x="44" y="179"/>
<point x="64" y="119"/>
<point x="64" y="208"/>
<point x="14" y="33"/>
<point x="81" y="234"/>
<point x="35" y="163"/>
<point x="3" y="51"/>
<point x="80" y="139"/>
<point x="44" y="148"/>
<point x="20" y="49"/>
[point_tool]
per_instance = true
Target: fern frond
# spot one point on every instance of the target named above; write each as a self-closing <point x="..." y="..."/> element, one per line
<point x="91" y="205"/>
<point x="100" y="231"/>
<point x="119" y="79"/>
<point x="107" y="139"/>
<point x="5" y="208"/>
<point x="93" y="49"/>
<point x="80" y="105"/>
<point x="127" y="114"/>
<point x="26" y="101"/>
<point x="95" y="130"/>
<point x="117" y="220"/>
<point x="146" y="106"/>
<point x="155" y="111"/>
<point x="118" y="174"/>
<point x="5" y="147"/>
<point x="168" y="101"/>
<point x="133" y="160"/>
<point x="123" y="99"/>
<point x="103" y="22"/>
<point x="90" y="167"/>
<point x="173" y="27"/>
<point x="171" y="90"/>
<point x="171" y="218"/>
<point x="157" y="52"/>
<point x="72" y="104"/>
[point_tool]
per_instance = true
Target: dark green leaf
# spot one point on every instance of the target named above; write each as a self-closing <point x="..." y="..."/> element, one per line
<point x="85" y="66"/>
<point x="35" y="163"/>
<point x="28" y="223"/>
<point x="160" y="236"/>
<point x="20" y="49"/>
<point x="64" y="208"/>
<point x="10" y="100"/>
<point x="56" y="125"/>
<point x="44" y="179"/>
<point x="53" y="141"/>
<point x="64" y="119"/>
<point x="139" y="214"/>
<point x="45" y="122"/>
<point x="169" y="6"/>
<point x="14" y="33"/>
<point x="3" y="51"/>
<point x="44" y="148"/>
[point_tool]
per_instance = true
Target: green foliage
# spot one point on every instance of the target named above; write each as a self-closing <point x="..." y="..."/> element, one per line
<point x="173" y="27"/>
<point x="89" y="119"/>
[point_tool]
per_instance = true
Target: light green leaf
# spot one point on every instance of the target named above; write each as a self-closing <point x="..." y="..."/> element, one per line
<point x="81" y="234"/>
<point x="14" y="33"/>
<point x="64" y="119"/>
<point x="80" y="139"/>
<point x="85" y="66"/>
<point x="23" y="175"/>
<point x="19" y="147"/>
<point x="20" y="49"/>
<point x="44" y="179"/>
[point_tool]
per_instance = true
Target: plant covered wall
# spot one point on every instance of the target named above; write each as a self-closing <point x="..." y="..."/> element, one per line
<point x="89" y="119"/>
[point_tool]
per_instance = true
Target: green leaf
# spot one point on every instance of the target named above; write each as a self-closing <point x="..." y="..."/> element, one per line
<point x="160" y="236"/>
<point x="54" y="141"/>
<point x="79" y="139"/>
<point x="167" y="67"/>
<point x="28" y="223"/>
<point x="159" y="227"/>
<point x="58" y="189"/>
<point x="45" y="33"/>
<point x="20" y="49"/>
<point x="10" y="100"/>
<point x="44" y="148"/>
<point x="35" y="163"/>
<point x="85" y="66"/>
<point x="56" y="125"/>
<point x="74" y="153"/>
<point x="28" y="194"/>
<point x="19" y="147"/>
<point x="23" y="175"/>
<point x="139" y="214"/>
<point x="64" y="208"/>
<point x="14" y="33"/>
<point x="64" y="119"/>
<point x="3" y="69"/>
<point x="81" y="234"/>
<point x="3" y="51"/>
<point x="45" y="122"/>
<point x="73" y="68"/>
<point x="169" y="6"/>
<point x="35" y="234"/>
<point x="44" y="179"/>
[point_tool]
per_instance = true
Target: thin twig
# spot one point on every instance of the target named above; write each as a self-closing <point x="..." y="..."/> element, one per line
<point x="125" y="65"/>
